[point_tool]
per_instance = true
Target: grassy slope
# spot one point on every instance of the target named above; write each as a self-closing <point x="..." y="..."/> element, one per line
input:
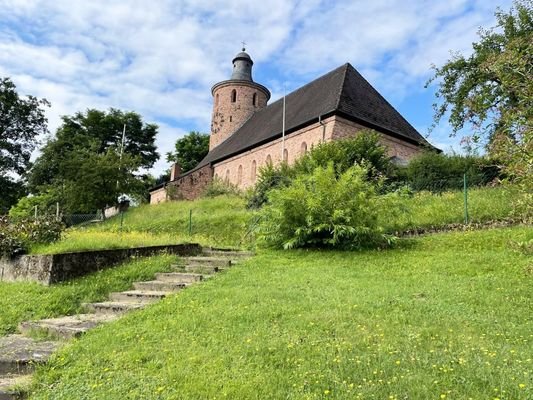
<point x="448" y="316"/>
<point x="224" y="221"/>
<point x="23" y="301"/>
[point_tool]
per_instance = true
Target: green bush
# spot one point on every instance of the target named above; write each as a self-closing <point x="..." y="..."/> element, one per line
<point x="17" y="236"/>
<point x="364" y="148"/>
<point x="440" y="172"/>
<point x="324" y="210"/>
<point x="219" y="187"/>
<point x="25" y="208"/>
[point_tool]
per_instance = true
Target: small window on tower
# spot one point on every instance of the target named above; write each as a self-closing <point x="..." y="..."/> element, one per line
<point x="233" y="96"/>
<point x="230" y="118"/>
<point x="216" y="100"/>
<point x="254" y="99"/>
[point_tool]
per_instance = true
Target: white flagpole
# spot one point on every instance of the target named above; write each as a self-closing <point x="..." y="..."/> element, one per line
<point x="283" y="127"/>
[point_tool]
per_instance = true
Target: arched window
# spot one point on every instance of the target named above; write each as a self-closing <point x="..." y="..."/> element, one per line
<point x="285" y="155"/>
<point x="227" y="175"/>
<point x="303" y="148"/>
<point x="269" y="159"/>
<point x="216" y="100"/>
<point x="254" y="99"/>
<point x="233" y="96"/>
<point x="239" y="175"/>
<point x="252" y="174"/>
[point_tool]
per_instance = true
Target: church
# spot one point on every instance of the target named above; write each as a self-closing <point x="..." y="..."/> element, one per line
<point x="248" y="133"/>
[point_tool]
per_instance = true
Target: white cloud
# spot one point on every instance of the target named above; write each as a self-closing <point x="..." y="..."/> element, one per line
<point x="160" y="58"/>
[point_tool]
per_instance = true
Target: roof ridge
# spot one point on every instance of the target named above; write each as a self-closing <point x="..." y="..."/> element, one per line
<point x="343" y="83"/>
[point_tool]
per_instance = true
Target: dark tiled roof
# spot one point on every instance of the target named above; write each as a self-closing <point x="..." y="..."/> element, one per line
<point x="342" y="91"/>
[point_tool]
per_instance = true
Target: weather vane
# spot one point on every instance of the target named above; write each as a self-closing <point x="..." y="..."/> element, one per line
<point x="243" y="46"/>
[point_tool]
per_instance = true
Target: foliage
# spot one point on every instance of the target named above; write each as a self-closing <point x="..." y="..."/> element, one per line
<point x="67" y="298"/>
<point x="219" y="187"/>
<point x="324" y="210"/>
<point x="439" y="172"/>
<point x="270" y="177"/>
<point x="363" y="148"/>
<point x="492" y="89"/>
<point x="448" y="316"/>
<point x="86" y="165"/>
<point x="16" y="237"/>
<point x="25" y="207"/>
<point x="22" y="120"/>
<point x="189" y="150"/>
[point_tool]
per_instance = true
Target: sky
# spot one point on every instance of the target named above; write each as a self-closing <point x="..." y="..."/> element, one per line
<point x="160" y="58"/>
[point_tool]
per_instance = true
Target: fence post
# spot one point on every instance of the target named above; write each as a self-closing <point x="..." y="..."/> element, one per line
<point x="465" y="187"/>
<point x="57" y="211"/>
<point x="190" y="222"/>
<point x="35" y="212"/>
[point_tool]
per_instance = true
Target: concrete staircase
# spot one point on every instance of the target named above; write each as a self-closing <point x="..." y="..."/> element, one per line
<point x="20" y="353"/>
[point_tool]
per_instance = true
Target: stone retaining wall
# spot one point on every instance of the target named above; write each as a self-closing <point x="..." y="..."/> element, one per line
<point x="53" y="268"/>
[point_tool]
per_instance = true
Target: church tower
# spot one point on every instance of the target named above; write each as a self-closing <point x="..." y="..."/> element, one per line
<point x="235" y="100"/>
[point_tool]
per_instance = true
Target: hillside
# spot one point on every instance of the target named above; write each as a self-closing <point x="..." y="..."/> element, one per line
<point x="442" y="316"/>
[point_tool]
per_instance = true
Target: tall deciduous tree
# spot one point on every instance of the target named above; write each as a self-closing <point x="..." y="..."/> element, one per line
<point x="21" y="121"/>
<point x="190" y="150"/>
<point x="86" y="164"/>
<point x="492" y="89"/>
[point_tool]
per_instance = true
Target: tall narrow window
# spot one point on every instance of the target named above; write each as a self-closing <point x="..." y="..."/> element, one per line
<point x="233" y="96"/>
<point x="230" y="118"/>
<point x="252" y="174"/>
<point x="227" y="175"/>
<point x="216" y="100"/>
<point x="239" y="175"/>
<point x="269" y="159"/>
<point x="285" y="155"/>
<point x="254" y="99"/>
<point x="303" y="149"/>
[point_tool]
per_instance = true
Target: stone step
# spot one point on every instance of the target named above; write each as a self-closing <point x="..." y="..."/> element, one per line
<point x="161" y="286"/>
<point x="203" y="269"/>
<point x="19" y="354"/>
<point x="66" y="327"/>
<point x="212" y="261"/>
<point x="179" y="277"/>
<point x="114" y="307"/>
<point x="226" y="253"/>
<point x="11" y="385"/>
<point x="146" y="296"/>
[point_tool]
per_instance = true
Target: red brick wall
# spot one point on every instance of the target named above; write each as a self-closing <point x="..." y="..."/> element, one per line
<point x="228" y="116"/>
<point x="191" y="186"/>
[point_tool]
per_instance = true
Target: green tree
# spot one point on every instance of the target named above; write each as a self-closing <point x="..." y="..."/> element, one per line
<point x="99" y="130"/>
<point x="86" y="165"/>
<point x="492" y="89"/>
<point x="21" y="121"/>
<point x="189" y="150"/>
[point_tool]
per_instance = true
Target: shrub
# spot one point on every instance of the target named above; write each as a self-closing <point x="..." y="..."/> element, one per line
<point x="364" y="148"/>
<point x="17" y="236"/>
<point x="25" y="208"/>
<point x="324" y="210"/>
<point x="439" y="172"/>
<point x="219" y="187"/>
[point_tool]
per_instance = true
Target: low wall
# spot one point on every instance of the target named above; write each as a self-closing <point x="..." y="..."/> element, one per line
<point x="52" y="268"/>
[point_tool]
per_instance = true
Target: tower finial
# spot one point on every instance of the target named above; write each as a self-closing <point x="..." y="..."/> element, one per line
<point x="243" y="46"/>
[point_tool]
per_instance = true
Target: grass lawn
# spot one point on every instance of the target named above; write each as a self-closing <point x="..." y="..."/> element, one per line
<point x="225" y="222"/>
<point x="22" y="301"/>
<point x="446" y="316"/>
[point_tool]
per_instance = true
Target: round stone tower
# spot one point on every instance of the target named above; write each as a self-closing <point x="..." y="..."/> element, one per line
<point x="235" y="100"/>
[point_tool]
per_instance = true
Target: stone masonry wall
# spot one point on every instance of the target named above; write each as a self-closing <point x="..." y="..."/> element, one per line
<point x="228" y="116"/>
<point x="158" y="196"/>
<point x="190" y="186"/>
<point x="240" y="170"/>
<point x="396" y="147"/>
<point x="53" y="268"/>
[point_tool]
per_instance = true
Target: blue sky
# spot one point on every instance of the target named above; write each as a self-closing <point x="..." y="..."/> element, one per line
<point x="161" y="57"/>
